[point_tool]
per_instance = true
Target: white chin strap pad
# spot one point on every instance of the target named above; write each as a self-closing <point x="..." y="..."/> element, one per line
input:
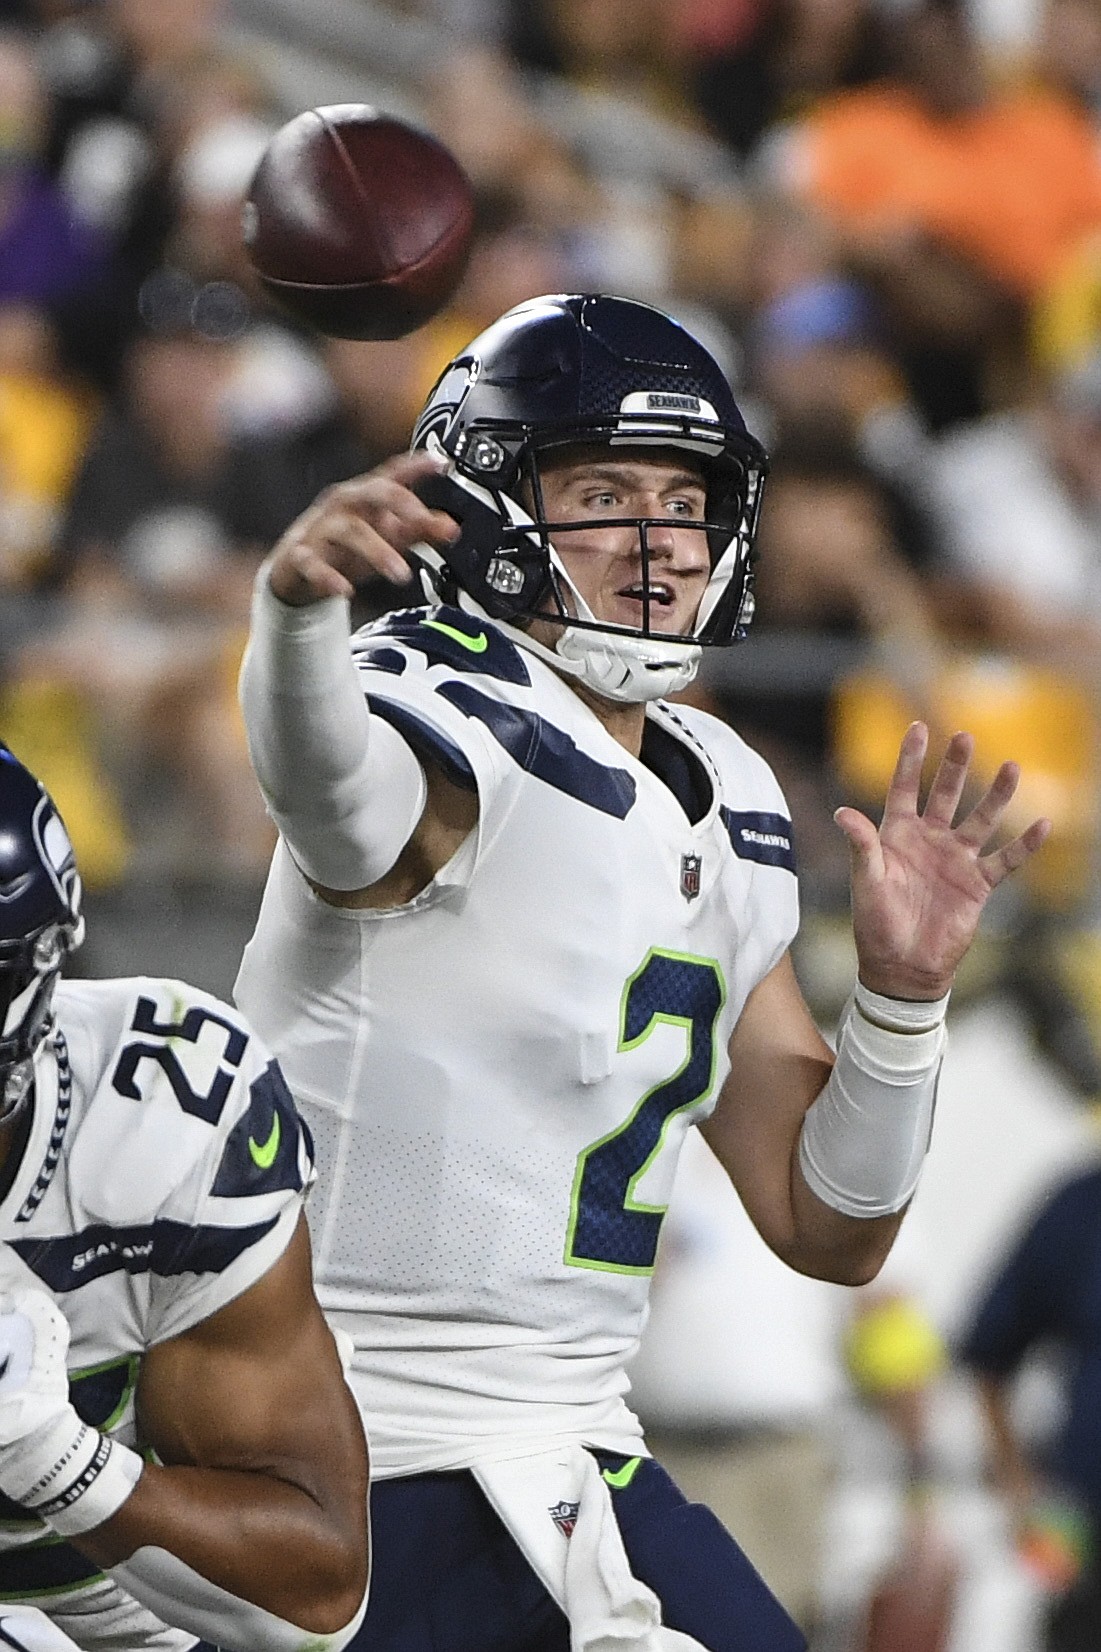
<point x="634" y="669"/>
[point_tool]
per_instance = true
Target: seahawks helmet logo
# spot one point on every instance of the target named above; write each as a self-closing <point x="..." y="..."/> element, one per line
<point x="56" y="853"/>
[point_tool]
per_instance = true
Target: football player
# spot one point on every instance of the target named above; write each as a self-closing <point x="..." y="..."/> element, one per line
<point x="178" y="1444"/>
<point x="527" y="922"/>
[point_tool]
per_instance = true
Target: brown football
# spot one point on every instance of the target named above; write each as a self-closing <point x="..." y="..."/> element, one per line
<point x="357" y="223"/>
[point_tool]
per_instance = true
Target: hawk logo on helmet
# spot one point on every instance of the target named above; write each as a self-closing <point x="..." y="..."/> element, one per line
<point x="56" y="851"/>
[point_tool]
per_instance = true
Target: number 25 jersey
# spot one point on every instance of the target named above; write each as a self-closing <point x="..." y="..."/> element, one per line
<point x="498" y="1075"/>
<point x="164" y="1174"/>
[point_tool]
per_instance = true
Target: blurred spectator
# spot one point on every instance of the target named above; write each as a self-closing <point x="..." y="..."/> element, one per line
<point x="1018" y="495"/>
<point x="752" y="63"/>
<point x="481" y="110"/>
<point x="817" y="337"/>
<point x="623" y="48"/>
<point x="963" y="203"/>
<point x="1067" y="51"/>
<point x="1044" y="1297"/>
<point x="46" y="253"/>
<point x="134" y="91"/>
<point x="45" y="422"/>
<point x="168" y="518"/>
<point x="712" y="250"/>
<point x="602" y="233"/>
<point x="1010" y="181"/>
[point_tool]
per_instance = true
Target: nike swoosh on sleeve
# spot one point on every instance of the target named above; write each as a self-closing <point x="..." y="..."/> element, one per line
<point x="473" y="645"/>
<point x="263" y="1153"/>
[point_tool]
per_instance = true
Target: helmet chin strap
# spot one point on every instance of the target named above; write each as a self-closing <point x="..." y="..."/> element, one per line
<point x="630" y="670"/>
<point x="621" y="667"/>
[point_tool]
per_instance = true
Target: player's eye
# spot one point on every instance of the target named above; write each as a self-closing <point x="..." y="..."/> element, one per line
<point x="685" y="506"/>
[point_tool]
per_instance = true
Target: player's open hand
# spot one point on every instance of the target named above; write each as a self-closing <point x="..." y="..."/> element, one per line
<point x="919" y="883"/>
<point x="358" y="528"/>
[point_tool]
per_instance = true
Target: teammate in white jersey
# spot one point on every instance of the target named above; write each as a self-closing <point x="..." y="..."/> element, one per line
<point x="178" y="1444"/>
<point x="526" y="924"/>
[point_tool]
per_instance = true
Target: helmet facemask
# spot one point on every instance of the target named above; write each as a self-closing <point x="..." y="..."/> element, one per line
<point x="509" y="565"/>
<point x="28" y="977"/>
<point x="577" y="371"/>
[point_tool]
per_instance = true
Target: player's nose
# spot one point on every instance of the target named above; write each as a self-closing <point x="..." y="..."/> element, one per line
<point x="661" y="539"/>
<point x="685" y="548"/>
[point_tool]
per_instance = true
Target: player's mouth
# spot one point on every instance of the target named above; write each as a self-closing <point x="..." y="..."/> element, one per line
<point x="655" y="605"/>
<point x="657" y="592"/>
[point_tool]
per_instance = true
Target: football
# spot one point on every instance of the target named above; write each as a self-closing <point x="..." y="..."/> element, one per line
<point x="357" y="223"/>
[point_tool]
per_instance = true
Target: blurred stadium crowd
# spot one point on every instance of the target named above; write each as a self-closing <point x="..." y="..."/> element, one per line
<point x="883" y="216"/>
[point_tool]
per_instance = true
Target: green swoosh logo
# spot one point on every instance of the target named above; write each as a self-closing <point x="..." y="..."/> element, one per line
<point x="473" y="645"/>
<point x="620" y="1477"/>
<point x="263" y="1153"/>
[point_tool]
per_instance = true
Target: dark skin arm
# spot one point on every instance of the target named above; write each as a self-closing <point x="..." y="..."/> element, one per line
<point x="264" y="1485"/>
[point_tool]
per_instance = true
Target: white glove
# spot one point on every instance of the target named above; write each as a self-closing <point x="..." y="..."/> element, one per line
<point x="34" y="1384"/>
<point x="50" y="1461"/>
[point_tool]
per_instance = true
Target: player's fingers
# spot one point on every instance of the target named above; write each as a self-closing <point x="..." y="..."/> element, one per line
<point x="301" y="573"/>
<point x="949" y="781"/>
<point x="862" y="835"/>
<point x="1010" y="856"/>
<point x="979" y="826"/>
<point x="902" y="793"/>
<point x="395" y="511"/>
<point x="357" y="549"/>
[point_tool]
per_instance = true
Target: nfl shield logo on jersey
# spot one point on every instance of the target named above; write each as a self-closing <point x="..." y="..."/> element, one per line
<point x="690" y="876"/>
<point x="564" y="1516"/>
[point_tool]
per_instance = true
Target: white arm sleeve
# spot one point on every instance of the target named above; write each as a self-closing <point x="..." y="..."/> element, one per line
<point x="864" y="1138"/>
<point x="183" y="1598"/>
<point x="342" y="786"/>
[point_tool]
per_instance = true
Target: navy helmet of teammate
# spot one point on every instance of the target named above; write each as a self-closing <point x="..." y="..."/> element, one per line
<point x="561" y="373"/>
<point x="40" y="921"/>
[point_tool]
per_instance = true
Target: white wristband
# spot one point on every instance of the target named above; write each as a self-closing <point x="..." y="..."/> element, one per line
<point x="76" y="1477"/>
<point x="864" y="1139"/>
<point x="903" y="1015"/>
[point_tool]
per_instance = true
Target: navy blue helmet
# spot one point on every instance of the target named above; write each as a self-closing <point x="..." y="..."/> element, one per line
<point x="40" y="920"/>
<point x="571" y="371"/>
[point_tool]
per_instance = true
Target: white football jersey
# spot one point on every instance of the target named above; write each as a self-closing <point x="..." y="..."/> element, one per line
<point x="164" y="1174"/>
<point x="499" y="1075"/>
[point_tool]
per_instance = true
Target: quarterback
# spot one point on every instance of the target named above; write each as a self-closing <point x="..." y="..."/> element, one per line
<point x="527" y="923"/>
<point x="178" y="1444"/>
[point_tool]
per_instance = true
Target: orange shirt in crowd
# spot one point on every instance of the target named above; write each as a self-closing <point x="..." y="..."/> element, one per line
<point x="1015" y="185"/>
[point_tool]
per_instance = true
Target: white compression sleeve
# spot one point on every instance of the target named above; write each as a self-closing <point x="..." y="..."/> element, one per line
<point x="179" y="1595"/>
<point x="864" y="1139"/>
<point x="342" y="786"/>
